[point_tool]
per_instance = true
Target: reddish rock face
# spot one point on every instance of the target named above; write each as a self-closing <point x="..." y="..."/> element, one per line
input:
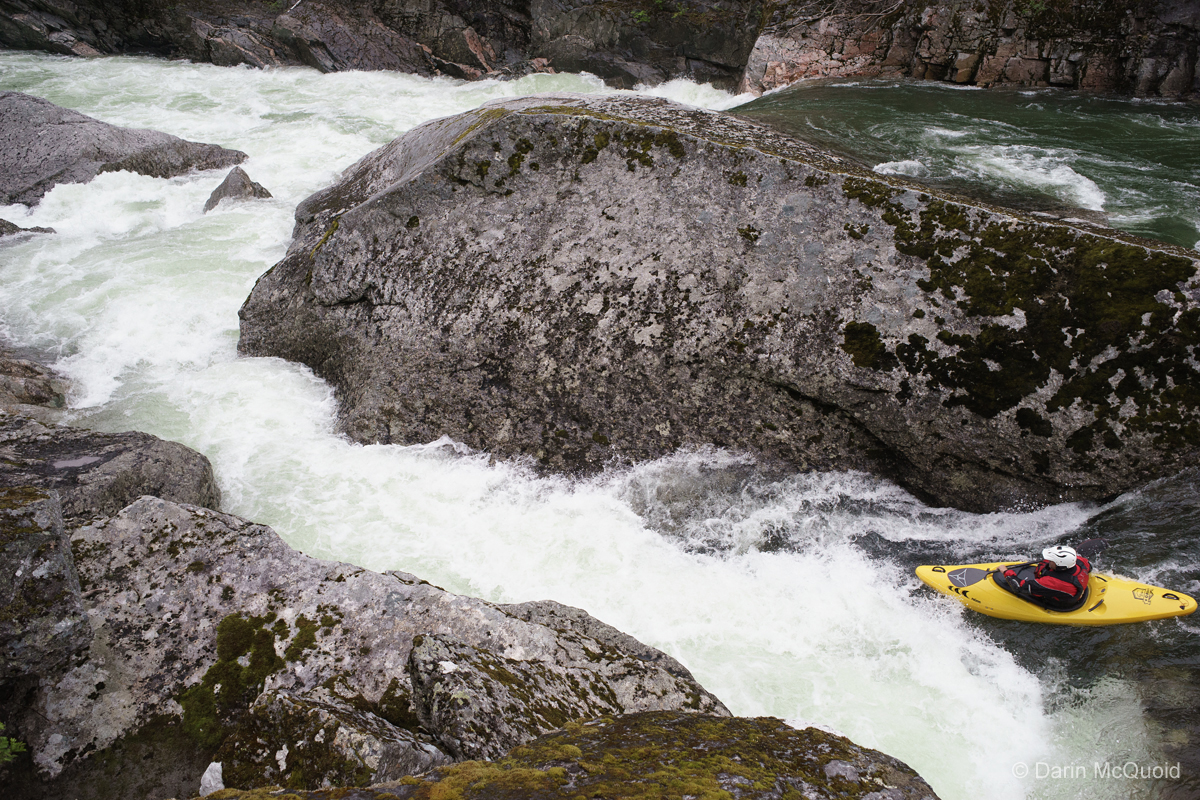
<point x="1146" y="48"/>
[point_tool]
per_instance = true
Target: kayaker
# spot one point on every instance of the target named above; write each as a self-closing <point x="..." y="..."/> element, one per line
<point x="1058" y="581"/>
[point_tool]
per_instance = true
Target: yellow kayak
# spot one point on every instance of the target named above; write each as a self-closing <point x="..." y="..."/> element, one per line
<point x="1110" y="600"/>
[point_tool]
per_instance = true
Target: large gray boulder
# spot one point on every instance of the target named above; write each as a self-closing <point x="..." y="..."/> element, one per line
<point x="42" y="621"/>
<point x="98" y="474"/>
<point x="258" y="651"/>
<point x="578" y="279"/>
<point x="43" y="145"/>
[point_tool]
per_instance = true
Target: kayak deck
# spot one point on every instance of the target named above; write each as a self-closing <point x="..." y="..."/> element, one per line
<point x="1111" y="600"/>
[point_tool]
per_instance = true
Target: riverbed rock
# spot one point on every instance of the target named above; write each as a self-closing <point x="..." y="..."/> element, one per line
<point x="12" y="229"/>
<point x="579" y="279"/>
<point x="42" y="621"/>
<point x="98" y="474"/>
<point x="214" y="625"/>
<point x="43" y="145"/>
<point x="27" y="386"/>
<point x="624" y="42"/>
<point x="236" y="186"/>
<point x="660" y="755"/>
<point x="1144" y="48"/>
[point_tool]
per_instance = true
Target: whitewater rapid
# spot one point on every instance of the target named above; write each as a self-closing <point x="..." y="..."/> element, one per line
<point x="761" y="584"/>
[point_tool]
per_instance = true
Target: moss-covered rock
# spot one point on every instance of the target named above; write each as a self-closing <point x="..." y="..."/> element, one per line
<point x="303" y="742"/>
<point x="628" y="276"/>
<point x="661" y="755"/>
<point x="293" y="670"/>
<point x="482" y="704"/>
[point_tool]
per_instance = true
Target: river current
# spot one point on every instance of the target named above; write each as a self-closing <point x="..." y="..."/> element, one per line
<point x="786" y="595"/>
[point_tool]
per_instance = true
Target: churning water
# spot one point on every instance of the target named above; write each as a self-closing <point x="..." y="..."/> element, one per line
<point x="1136" y="161"/>
<point x="786" y="595"/>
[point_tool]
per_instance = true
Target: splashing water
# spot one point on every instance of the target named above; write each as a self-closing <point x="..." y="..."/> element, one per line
<point x="1136" y="161"/>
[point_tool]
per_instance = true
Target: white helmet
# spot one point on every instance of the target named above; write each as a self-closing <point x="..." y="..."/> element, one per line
<point x="1060" y="555"/>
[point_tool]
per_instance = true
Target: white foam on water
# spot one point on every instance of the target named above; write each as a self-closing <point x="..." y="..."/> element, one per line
<point x="910" y="167"/>
<point x="1035" y="168"/>
<point x="138" y="295"/>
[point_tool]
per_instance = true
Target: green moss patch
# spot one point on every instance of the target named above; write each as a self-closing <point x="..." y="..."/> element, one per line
<point x="1104" y="315"/>
<point x="228" y="687"/>
<point x="670" y="755"/>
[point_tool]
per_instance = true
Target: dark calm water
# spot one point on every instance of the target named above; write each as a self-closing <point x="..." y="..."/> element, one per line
<point x="1138" y="162"/>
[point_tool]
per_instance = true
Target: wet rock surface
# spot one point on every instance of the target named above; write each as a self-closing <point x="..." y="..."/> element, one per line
<point x="1143" y="48"/>
<point x="43" y="145"/>
<point x="11" y="229"/>
<point x="579" y="279"/>
<point x="236" y="186"/>
<point x="29" y="388"/>
<point x="663" y="754"/>
<point x="98" y="474"/>
<point x="213" y="625"/>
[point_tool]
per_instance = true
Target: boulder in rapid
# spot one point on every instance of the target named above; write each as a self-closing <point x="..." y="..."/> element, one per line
<point x="580" y="278"/>
<point x="43" y="145"/>
<point x="236" y="186"/>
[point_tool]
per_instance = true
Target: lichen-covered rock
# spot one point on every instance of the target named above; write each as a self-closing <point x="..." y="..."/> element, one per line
<point x="300" y="740"/>
<point x="43" y="145"/>
<point x="196" y="614"/>
<point x="483" y="704"/>
<point x="237" y="185"/>
<point x="581" y="278"/>
<point x="1142" y="48"/>
<point x="662" y="755"/>
<point x="42" y="621"/>
<point x="98" y="474"/>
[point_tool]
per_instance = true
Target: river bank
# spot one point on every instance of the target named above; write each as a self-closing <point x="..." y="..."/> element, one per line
<point x="1147" y="48"/>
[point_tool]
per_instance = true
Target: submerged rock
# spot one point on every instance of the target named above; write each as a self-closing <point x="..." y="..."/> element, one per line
<point x="661" y="755"/>
<point x="237" y="185"/>
<point x="579" y="279"/>
<point x="98" y="474"/>
<point x="11" y="229"/>
<point x="295" y="670"/>
<point x="43" y="145"/>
